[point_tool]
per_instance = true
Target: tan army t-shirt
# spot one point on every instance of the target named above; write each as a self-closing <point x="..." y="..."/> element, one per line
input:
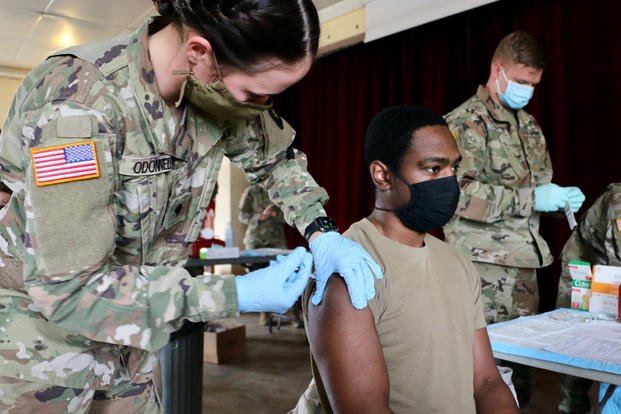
<point x="426" y="310"/>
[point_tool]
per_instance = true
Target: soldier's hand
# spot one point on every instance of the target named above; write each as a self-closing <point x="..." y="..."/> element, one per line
<point x="549" y="197"/>
<point x="275" y="288"/>
<point x="575" y="197"/>
<point x="267" y="212"/>
<point x="334" y="253"/>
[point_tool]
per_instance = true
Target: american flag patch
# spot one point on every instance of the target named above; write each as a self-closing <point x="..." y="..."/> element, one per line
<point x="65" y="163"/>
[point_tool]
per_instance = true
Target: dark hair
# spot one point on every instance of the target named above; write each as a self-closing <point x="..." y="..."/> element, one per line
<point x="4" y="188"/>
<point x="244" y="32"/>
<point x="389" y="135"/>
<point x="520" y="47"/>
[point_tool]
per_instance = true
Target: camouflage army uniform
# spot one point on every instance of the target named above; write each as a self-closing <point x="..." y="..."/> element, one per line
<point x="91" y="270"/>
<point x="495" y="225"/>
<point x="263" y="230"/>
<point x="597" y="240"/>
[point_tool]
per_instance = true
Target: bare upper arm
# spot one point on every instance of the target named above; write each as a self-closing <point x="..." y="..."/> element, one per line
<point x="348" y="353"/>
<point x="482" y="357"/>
<point x="491" y="394"/>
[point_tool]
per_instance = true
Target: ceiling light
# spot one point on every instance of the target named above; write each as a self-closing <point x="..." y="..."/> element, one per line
<point x="66" y="39"/>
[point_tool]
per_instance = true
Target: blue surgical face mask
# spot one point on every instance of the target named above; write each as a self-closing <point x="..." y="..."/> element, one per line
<point x="516" y="96"/>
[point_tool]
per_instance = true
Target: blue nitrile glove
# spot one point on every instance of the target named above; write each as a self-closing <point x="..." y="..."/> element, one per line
<point x="575" y="197"/>
<point x="549" y="197"/>
<point x="334" y="253"/>
<point x="275" y="288"/>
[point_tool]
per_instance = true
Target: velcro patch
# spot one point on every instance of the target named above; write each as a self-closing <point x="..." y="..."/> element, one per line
<point x="618" y="220"/>
<point x="65" y="163"/>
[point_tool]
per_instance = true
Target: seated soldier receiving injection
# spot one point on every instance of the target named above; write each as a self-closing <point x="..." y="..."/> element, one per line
<point x="422" y="339"/>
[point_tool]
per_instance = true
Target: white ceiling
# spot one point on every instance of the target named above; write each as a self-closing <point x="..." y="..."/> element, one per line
<point x="32" y="29"/>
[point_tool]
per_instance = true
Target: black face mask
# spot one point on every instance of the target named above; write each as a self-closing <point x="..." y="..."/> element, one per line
<point x="432" y="204"/>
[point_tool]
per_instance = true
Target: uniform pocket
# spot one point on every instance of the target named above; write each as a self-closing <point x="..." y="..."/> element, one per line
<point x="135" y="217"/>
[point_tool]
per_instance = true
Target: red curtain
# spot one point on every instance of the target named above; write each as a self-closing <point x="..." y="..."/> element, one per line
<point x="439" y="65"/>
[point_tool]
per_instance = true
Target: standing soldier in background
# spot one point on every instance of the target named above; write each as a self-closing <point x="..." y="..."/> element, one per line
<point x="597" y="240"/>
<point x="505" y="180"/>
<point x="265" y="221"/>
<point x="265" y="225"/>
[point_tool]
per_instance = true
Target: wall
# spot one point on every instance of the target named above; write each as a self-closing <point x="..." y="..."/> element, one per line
<point x="231" y="183"/>
<point x="8" y="87"/>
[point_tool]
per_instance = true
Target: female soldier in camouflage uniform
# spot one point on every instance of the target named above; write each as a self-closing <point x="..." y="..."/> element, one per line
<point x="112" y="151"/>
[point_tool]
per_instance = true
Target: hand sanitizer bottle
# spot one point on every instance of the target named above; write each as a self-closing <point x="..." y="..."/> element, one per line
<point x="228" y="236"/>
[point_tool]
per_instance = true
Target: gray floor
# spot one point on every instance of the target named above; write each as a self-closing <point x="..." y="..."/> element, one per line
<point x="267" y="380"/>
<point x="274" y="372"/>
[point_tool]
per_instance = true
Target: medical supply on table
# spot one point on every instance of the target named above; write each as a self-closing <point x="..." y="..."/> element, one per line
<point x="581" y="279"/>
<point x="228" y="236"/>
<point x="605" y="290"/>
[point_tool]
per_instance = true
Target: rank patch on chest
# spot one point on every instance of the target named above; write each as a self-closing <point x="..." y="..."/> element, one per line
<point x="65" y="163"/>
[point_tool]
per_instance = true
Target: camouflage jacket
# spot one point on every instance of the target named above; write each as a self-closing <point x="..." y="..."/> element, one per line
<point x="504" y="158"/>
<point x="596" y="239"/>
<point x="92" y="249"/>
<point x="264" y="229"/>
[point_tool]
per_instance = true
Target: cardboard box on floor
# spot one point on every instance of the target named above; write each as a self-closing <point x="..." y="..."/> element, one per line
<point x="224" y="340"/>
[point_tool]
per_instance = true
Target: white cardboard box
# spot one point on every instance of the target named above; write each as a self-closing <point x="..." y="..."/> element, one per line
<point x="605" y="290"/>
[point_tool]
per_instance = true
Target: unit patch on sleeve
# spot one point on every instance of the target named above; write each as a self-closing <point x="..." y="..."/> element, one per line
<point x="65" y="163"/>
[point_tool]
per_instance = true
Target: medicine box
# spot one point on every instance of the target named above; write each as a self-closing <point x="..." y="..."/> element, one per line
<point x="605" y="290"/>
<point x="580" y="284"/>
<point x="224" y="340"/>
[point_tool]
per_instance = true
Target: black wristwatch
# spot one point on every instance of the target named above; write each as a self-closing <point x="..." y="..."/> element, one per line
<point x="322" y="224"/>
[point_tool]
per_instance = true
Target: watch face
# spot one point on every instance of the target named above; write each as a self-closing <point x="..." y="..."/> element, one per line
<point x="326" y="223"/>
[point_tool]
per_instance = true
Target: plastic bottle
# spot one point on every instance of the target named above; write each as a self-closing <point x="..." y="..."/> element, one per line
<point x="203" y="254"/>
<point x="228" y="236"/>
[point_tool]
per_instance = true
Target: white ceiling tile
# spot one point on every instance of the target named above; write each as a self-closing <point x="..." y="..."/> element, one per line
<point x="38" y="5"/>
<point x="32" y="29"/>
<point x="16" y="23"/>
<point x="8" y="51"/>
<point x="60" y="32"/>
<point x="112" y="12"/>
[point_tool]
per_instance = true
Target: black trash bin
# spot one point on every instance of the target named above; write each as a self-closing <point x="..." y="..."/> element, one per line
<point x="181" y="365"/>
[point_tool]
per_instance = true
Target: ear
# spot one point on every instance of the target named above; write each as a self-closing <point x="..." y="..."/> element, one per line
<point x="381" y="175"/>
<point x="198" y="50"/>
<point x="496" y="69"/>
